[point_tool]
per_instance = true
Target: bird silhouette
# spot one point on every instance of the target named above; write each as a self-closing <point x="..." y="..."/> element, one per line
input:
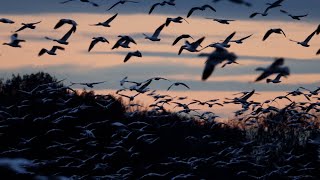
<point x="274" y="68"/>
<point x="15" y="42"/>
<point x="201" y="8"/>
<point x="50" y="52"/>
<point x="96" y="40"/>
<point x="270" y="31"/>
<point x="130" y="54"/>
<point x="28" y="25"/>
<point x="107" y="22"/>
<point x="155" y="36"/>
<point x="121" y="2"/>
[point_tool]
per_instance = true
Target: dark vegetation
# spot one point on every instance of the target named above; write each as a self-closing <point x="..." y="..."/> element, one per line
<point x="48" y="130"/>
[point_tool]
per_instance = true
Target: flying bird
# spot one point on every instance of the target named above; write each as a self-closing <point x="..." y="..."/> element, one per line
<point x="215" y="58"/>
<point x="275" y="68"/>
<point x="121" y="2"/>
<point x="90" y="85"/>
<point x="275" y="80"/>
<point x="237" y="2"/>
<point x="107" y="22"/>
<point x="271" y="6"/>
<point x="130" y="54"/>
<point x="170" y="3"/>
<point x="14" y="41"/>
<point x="202" y="8"/>
<point x="96" y="40"/>
<point x="191" y="47"/>
<point x="183" y="36"/>
<point x="221" y="21"/>
<point x="306" y="41"/>
<point x="65" y="38"/>
<point x="296" y="17"/>
<point x="240" y="41"/>
<point x="175" y="20"/>
<point x="28" y="25"/>
<point x="61" y="22"/>
<point x="178" y="84"/>
<point x="155" y="35"/>
<point x="50" y="52"/>
<point x="124" y="42"/>
<point x="225" y="43"/>
<point x="85" y="1"/>
<point x="256" y="13"/>
<point x="6" y="21"/>
<point x="270" y="31"/>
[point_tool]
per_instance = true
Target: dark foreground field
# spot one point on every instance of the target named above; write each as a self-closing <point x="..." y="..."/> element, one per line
<point x="55" y="133"/>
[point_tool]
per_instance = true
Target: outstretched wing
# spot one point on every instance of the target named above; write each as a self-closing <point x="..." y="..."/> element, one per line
<point x="179" y="38"/>
<point x="153" y="6"/>
<point x="158" y="30"/>
<point x="92" y="44"/>
<point x="42" y="51"/>
<point x="191" y="11"/>
<point x="227" y="40"/>
<point x="270" y="31"/>
<point x="277" y="62"/>
<point x="128" y="56"/>
<point x="208" y="6"/>
<point x="114" y="5"/>
<point x="111" y="19"/>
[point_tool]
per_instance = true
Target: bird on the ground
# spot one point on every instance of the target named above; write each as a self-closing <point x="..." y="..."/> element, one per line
<point x="178" y="84"/>
<point x="28" y="25"/>
<point x="240" y="41"/>
<point x="50" y="52"/>
<point x="64" y="39"/>
<point x="6" y="21"/>
<point x="121" y="2"/>
<point x="96" y="40"/>
<point x="175" y="20"/>
<point x="183" y="36"/>
<point x="124" y="42"/>
<point x="296" y="17"/>
<point x="306" y="41"/>
<point x="202" y="8"/>
<point x="15" y="42"/>
<point x="90" y="85"/>
<point x="270" y="31"/>
<point x="225" y="43"/>
<point x="275" y="68"/>
<point x="170" y="3"/>
<point x="215" y="58"/>
<point x="130" y="54"/>
<point x="155" y="36"/>
<point x="107" y="22"/>
<point x="191" y="47"/>
<point x="221" y="21"/>
<point x="85" y="1"/>
<point x="61" y="22"/>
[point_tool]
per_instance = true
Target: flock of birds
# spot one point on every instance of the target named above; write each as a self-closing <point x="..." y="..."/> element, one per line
<point x="50" y="131"/>
<point x="220" y="55"/>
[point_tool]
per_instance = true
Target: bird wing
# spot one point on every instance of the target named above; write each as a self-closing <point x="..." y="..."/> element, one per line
<point x="191" y="11"/>
<point x="94" y="4"/>
<point x="309" y="37"/>
<point x="208" y="69"/>
<point x="111" y="19"/>
<point x="169" y="89"/>
<point x="114" y="5"/>
<point x="183" y="84"/>
<point x="270" y="31"/>
<point x="247" y="96"/>
<point x="276" y="63"/>
<point x="179" y="38"/>
<point x="63" y="2"/>
<point x="227" y="40"/>
<point x="158" y="30"/>
<point x="318" y="30"/>
<point x="245" y="37"/>
<point x="92" y="44"/>
<point x="198" y="42"/>
<point x="318" y="52"/>
<point x="128" y="56"/>
<point x="145" y="84"/>
<point x="181" y="49"/>
<point x="153" y="6"/>
<point x="283" y="11"/>
<point x="68" y="34"/>
<point x="14" y="37"/>
<point x="42" y="51"/>
<point x="254" y="14"/>
<point x="20" y="29"/>
<point x="208" y="6"/>
<point x="36" y="22"/>
<point x="54" y="48"/>
<point x="59" y="24"/>
<point x="263" y="76"/>
<point x="283" y="33"/>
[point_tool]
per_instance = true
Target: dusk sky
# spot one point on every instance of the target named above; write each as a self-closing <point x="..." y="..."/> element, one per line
<point x="160" y="58"/>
